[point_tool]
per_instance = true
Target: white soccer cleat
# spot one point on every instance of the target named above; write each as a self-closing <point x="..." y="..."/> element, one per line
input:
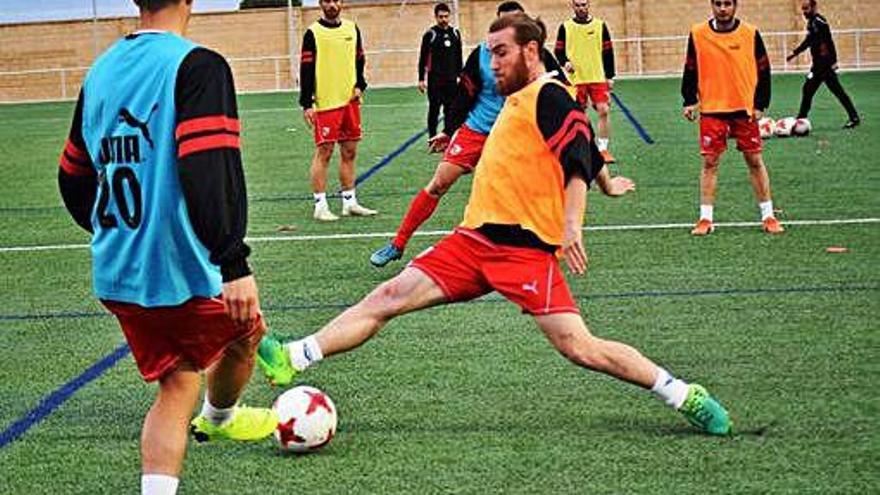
<point x="356" y="210"/>
<point x="323" y="214"/>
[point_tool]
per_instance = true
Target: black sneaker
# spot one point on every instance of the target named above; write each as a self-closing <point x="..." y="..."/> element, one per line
<point x="852" y="123"/>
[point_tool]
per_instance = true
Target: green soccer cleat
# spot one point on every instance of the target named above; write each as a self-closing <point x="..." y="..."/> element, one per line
<point x="274" y="360"/>
<point x="246" y="424"/>
<point x="705" y="412"/>
<point x="386" y="254"/>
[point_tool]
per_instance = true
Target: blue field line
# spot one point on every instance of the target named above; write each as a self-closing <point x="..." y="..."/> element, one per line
<point x="60" y="396"/>
<point x="390" y="156"/>
<point x="632" y="120"/>
<point x="282" y="308"/>
<point x="57" y="398"/>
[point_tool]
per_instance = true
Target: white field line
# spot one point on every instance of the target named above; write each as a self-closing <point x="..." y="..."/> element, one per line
<point x="435" y="233"/>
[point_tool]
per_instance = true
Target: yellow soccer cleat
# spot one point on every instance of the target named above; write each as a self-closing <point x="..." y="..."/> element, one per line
<point x="246" y="424"/>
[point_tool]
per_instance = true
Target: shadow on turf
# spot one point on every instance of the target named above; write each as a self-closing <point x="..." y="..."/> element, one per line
<point x="612" y="424"/>
<point x="654" y="428"/>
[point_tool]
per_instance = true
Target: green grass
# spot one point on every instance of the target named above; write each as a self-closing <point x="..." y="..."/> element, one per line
<point x="470" y="398"/>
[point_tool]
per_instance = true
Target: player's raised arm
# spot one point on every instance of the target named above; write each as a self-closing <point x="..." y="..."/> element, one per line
<point x="77" y="178"/>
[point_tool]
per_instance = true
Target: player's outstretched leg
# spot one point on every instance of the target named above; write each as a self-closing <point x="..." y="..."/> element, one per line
<point x="221" y="416"/>
<point x="420" y="210"/>
<point x="569" y="335"/>
<point x="409" y="291"/>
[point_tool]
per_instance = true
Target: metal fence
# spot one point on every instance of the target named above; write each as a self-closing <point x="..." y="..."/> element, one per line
<point x="858" y="49"/>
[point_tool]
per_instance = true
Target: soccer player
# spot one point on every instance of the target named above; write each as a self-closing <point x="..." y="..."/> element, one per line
<point x="824" y="69"/>
<point x="152" y="169"/>
<point x="583" y="47"/>
<point x="727" y="82"/>
<point x="526" y="204"/>
<point x="332" y="83"/>
<point x="439" y="66"/>
<point x="471" y="115"/>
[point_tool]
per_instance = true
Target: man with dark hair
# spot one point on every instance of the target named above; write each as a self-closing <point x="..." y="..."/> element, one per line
<point x="152" y="168"/>
<point x="527" y="204"/>
<point x="583" y="47"/>
<point x="332" y="83"/>
<point x="726" y="83"/>
<point x="824" y="68"/>
<point x="470" y="117"/>
<point x="439" y="66"/>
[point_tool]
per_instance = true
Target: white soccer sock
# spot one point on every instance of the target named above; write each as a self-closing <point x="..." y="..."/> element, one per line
<point x="320" y="200"/>
<point x="158" y="484"/>
<point x="304" y="353"/>
<point x="602" y="143"/>
<point x="670" y="389"/>
<point x="706" y="211"/>
<point x="215" y="415"/>
<point x="766" y="209"/>
<point x="349" y="198"/>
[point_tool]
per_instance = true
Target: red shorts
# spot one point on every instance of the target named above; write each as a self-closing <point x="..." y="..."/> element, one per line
<point x="592" y="92"/>
<point x="715" y="132"/>
<point x="466" y="265"/>
<point x="197" y="331"/>
<point x="465" y="148"/>
<point x="338" y="124"/>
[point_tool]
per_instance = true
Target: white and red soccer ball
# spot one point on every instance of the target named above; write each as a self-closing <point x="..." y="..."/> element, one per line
<point x="767" y="127"/>
<point x="790" y="126"/>
<point x="784" y="127"/>
<point x="306" y="419"/>
<point x="802" y="127"/>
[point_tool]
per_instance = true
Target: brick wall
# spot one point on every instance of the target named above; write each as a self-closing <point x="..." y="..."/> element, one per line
<point x="392" y="32"/>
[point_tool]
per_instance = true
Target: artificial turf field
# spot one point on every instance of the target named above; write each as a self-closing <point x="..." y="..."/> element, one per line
<point x="470" y="398"/>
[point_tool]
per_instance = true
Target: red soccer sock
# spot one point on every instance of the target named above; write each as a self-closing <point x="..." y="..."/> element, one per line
<point x="421" y="209"/>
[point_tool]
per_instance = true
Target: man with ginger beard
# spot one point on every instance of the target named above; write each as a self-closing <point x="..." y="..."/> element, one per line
<point x="526" y="207"/>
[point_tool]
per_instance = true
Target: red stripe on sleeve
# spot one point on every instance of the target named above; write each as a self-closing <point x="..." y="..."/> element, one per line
<point x="560" y="45"/>
<point x="75" y="169"/>
<point x="205" y="143"/>
<point x="209" y="123"/>
<point x="307" y="57"/>
<point x="75" y="152"/>
<point x="578" y="128"/>
<point x="573" y="117"/>
<point x="606" y="45"/>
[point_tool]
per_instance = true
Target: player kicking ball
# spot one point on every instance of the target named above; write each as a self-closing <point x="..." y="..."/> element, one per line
<point x="527" y="204"/>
